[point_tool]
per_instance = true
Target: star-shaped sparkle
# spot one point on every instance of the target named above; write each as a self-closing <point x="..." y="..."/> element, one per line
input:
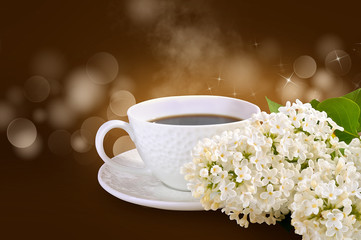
<point x="288" y="79"/>
<point x="338" y="59"/>
<point x="356" y="85"/>
<point x="356" y="49"/>
<point x="234" y="92"/>
<point x="255" y="44"/>
<point x="209" y="89"/>
<point x="219" y="79"/>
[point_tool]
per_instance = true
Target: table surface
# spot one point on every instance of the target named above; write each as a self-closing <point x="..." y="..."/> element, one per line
<point x="59" y="198"/>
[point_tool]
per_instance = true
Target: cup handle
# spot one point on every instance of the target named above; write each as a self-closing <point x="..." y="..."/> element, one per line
<point x="99" y="144"/>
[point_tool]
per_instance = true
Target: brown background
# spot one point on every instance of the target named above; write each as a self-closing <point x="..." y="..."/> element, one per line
<point x="55" y="197"/>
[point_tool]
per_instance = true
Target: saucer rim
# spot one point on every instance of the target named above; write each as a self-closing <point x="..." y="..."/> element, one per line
<point x="159" y="204"/>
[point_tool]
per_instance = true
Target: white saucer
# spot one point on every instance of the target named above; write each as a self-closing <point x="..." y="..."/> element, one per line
<point x="142" y="189"/>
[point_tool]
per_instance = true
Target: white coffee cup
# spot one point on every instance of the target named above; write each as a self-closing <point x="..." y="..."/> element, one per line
<point x="166" y="148"/>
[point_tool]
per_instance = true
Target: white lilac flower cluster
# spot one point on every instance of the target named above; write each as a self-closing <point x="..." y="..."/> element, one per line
<point x="281" y="162"/>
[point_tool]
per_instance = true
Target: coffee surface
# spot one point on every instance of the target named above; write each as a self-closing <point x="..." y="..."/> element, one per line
<point x="195" y="119"/>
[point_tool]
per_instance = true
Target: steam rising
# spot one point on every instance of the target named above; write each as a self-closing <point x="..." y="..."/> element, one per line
<point x="194" y="51"/>
<point x="143" y="11"/>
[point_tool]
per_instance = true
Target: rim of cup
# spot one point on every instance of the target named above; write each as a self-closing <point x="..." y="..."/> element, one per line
<point x="133" y="108"/>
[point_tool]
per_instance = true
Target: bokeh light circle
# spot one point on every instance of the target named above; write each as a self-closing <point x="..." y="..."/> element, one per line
<point x="7" y="113"/>
<point x="304" y="66"/>
<point x="323" y="80"/>
<point x="111" y="115"/>
<point x="340" y="88"/>
<point x="82" y="95"/>
<point x="120" y="101"/>
<point x="29" y="153"/>
<point x="89" y="128"/>
<point x="122" y="144"/>
<point x="144" y="11"/>
<point x="122" y="83"/>
<point x="59" y="142"/>
<point x="79" y="143"/>
<point x="60" y="115"/>
<point x="313" y="94"/>
<point x="326" y="44"/>
<point x="36" y="89"/>
<point x="55" y="87"/>
<point x="39" y="115"/>
<point x="338" y="62"/>
<point x="21" y="132"/>
<point x="102" y="68"/>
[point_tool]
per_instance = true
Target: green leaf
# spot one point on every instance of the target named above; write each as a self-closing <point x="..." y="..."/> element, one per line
<point x="314" y="103"/>
<point x="355" y="96"/>
<point x="345" y="113"/>
<point x="273" y="106"/>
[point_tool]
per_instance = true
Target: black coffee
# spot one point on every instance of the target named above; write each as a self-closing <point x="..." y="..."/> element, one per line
<point x="195" y="119"/>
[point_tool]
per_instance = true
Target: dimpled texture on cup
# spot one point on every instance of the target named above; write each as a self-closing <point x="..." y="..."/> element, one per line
<point x="165" y="148"/>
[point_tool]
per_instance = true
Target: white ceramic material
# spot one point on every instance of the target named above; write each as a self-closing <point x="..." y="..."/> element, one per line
<point x="165" y="148"/>
<point x="142" y="189"/>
